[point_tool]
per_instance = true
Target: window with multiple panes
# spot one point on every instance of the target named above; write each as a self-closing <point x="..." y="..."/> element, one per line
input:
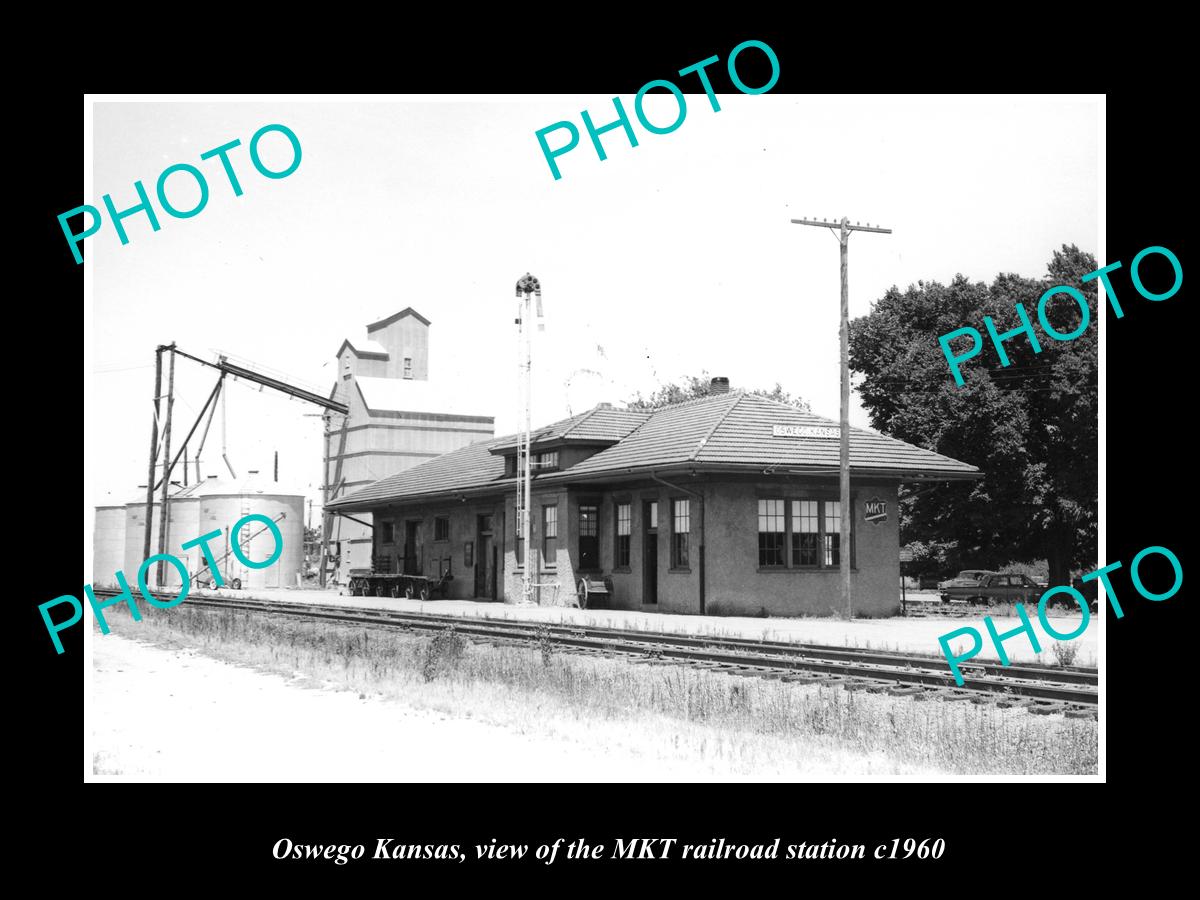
<point x="772" y="533"/>
<point x="441" y="528"/>
<point x="624" y="530"/>
<point x="833" y="533"/>
<point x="547" y="460"/>
<point x="549" y="535"/>
<point x="589" y="536"/>
<point x="681" y="526"/>
<point x="816" y="533"/>
<point x="408" y="373"/>
<point x="806" y="532"/>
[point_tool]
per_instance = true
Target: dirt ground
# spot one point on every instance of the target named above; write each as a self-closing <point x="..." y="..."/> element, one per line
<point x="171" y="714"/>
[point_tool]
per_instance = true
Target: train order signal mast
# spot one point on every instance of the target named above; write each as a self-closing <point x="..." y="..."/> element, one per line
<point x="528" y="287"/>
<point x="841" y="230"/>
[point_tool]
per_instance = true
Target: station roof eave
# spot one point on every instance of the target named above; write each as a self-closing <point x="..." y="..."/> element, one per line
<point x="635" y="473"/>
<point x="350" y="505"/>
<point x="641" y="473"/>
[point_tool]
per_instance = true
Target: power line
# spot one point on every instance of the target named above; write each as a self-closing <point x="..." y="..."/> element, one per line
<point x="125" y="369"/>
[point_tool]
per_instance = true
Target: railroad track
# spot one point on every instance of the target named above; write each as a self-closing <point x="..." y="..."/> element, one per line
<point x="1072" y="691"/>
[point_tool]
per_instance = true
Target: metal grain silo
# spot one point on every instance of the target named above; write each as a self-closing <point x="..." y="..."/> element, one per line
<point x="222" y="502"/>
<point x="108" y="544"/>
<point x="184" y="525"/>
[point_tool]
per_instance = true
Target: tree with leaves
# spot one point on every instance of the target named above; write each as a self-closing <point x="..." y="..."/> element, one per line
<point x="1031" y="427"/>
<point x="693" y="386"/>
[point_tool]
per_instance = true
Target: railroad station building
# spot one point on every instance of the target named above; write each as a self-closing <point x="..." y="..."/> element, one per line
<point x="724" y="505"/>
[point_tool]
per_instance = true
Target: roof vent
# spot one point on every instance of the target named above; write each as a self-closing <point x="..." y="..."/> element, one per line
<point x="719" y="386"/>
<point x="604" y="406"/>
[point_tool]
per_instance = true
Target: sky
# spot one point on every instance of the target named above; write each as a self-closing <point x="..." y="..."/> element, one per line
<point x="665" y="260"/>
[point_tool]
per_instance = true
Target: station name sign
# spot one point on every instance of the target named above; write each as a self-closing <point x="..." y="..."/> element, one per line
<point x="819" y="431"/>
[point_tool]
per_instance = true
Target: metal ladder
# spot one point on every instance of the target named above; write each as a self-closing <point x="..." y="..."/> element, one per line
<point x="245" y="544"/>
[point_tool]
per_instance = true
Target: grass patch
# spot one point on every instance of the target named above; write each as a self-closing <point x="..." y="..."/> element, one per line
<point x="1065" y="652"/>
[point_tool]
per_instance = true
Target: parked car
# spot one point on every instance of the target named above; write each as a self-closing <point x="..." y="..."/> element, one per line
<point x="996" y="587"/>
<point x="965" y="578"/>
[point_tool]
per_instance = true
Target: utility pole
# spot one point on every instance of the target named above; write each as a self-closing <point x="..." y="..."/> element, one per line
<point x="225" y="368"/>
<point x="158" y="352"/>
<point x="526" y="287"/>
<point x="326" y="420"/>
<point x="164" y="519"/>
<point x="842" y="233"/>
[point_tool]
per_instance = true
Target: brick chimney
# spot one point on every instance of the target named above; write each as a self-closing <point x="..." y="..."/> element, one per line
<point x="719" y="386"/>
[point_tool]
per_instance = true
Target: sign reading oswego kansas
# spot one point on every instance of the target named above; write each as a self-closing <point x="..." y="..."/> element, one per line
<point x="805" y="431"/>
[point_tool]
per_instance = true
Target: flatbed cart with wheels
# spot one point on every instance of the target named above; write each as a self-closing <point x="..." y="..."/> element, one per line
<point x="370" y="584"/>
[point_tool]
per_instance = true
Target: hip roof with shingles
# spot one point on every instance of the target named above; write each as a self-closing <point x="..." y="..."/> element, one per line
<point x="725" y="432"/>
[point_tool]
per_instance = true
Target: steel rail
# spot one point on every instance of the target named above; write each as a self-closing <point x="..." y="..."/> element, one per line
<point x="737" y="656"/>
<point x="1081" y="676"/>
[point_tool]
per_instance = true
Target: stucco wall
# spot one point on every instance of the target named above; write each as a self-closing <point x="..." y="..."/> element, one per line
<point x="734" y="582"/>
<point x="439" y="556"/>
<point x="548" y="571"/>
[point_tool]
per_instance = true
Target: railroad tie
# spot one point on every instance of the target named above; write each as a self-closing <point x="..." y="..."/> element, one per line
<point x="748" y="672"/>
<point x="1045" y="709"/>
<point x="1009" y="702"/>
